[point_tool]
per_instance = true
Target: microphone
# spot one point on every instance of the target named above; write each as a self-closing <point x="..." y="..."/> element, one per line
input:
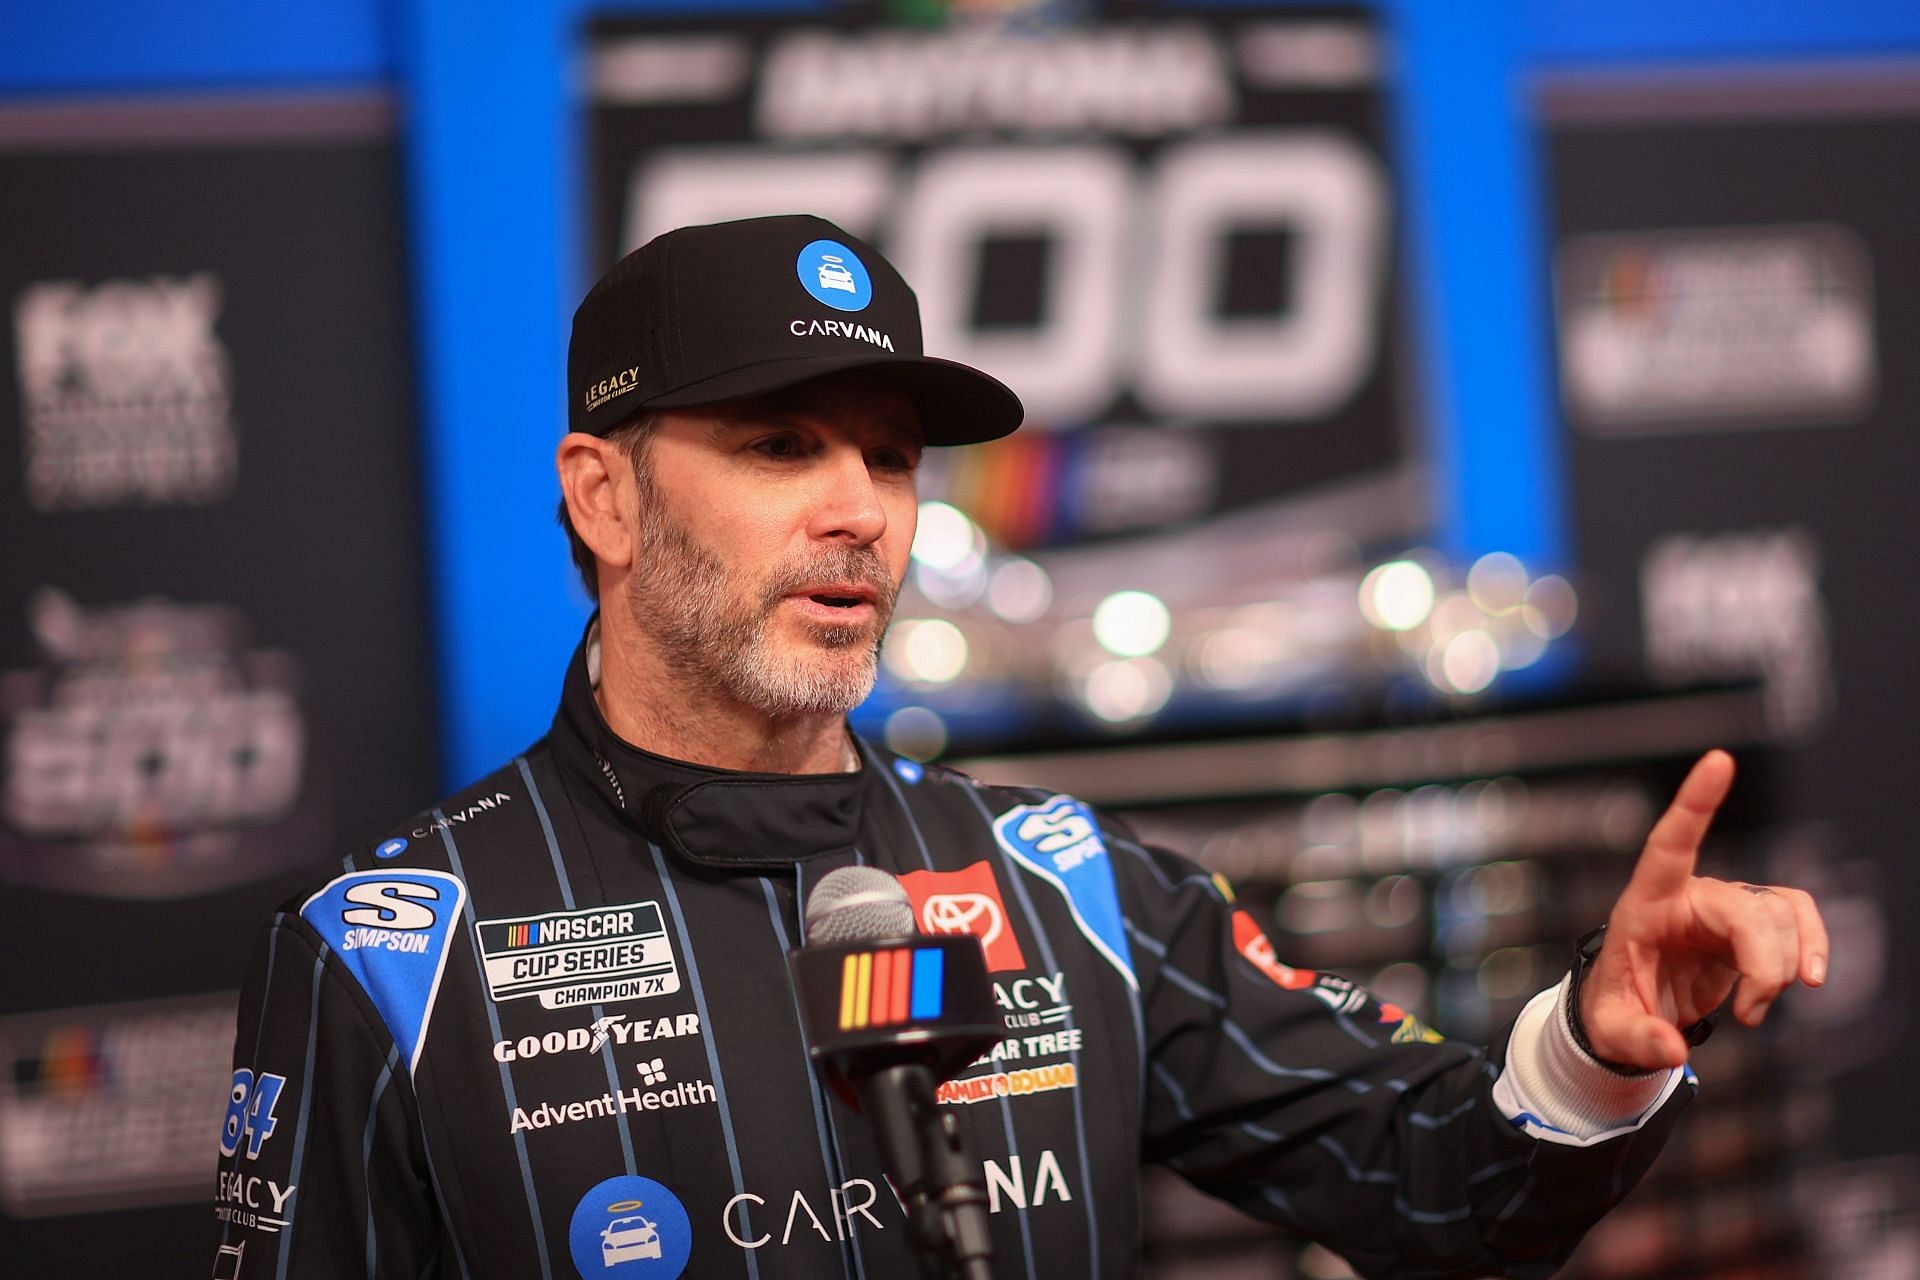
<point x="855" y="904"/>
<point x="889" y="1013"/>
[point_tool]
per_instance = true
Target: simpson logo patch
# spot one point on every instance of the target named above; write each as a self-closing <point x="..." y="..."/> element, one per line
<point x="572" y="958"/>
<point x="390" y="929"/>
<point x="1060" y="842"/>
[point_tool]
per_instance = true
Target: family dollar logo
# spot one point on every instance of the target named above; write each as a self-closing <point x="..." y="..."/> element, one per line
<point x="126" y="393"/>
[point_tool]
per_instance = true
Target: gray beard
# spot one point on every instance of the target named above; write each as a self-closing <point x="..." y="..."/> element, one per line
<point x="712" y="627"/>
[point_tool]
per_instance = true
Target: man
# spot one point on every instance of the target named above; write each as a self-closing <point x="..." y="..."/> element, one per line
<point x="546" y="1027"/>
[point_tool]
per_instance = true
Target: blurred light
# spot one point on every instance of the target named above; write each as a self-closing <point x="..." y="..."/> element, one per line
<point x="1019" y="591"/>
<point x="932" y="650"/>
<point x="1497" y="582"/>
<point x="1235" y="658"/>
<point x="935" y="651"/>
<point x="1319" y="906"/>
<point x="1127" y="690"/>
<point x="954" y="588"/>
<point x="1551" y="607"/>
<point x="1397" y="596"/>
<point x="1131" y="624"/>
<point x="916" y="732"/>
<point x="1521" y="647"/>
<point x="1328" y="551"/>
<point x="945" y="537"/>
<point x="1504" y="888"/>
<point x="1453" y="614"/>
<point x="1393" y="902"/>
<point x="1404" y="983"/>
<point x="1329" y="819"/>
<point x="1509" y="974"/>
<point x="1469" y="662"/>
<point x="893" y="652"/>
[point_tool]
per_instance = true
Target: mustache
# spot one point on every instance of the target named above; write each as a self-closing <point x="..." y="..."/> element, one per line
<point x="844" y="564"/>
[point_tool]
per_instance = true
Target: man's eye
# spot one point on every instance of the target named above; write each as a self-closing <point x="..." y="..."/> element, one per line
<point x="895" y="460"/>
<point x="779" y="447"/>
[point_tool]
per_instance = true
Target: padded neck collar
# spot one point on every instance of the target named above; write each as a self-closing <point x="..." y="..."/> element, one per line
<point x="716" y="817"/>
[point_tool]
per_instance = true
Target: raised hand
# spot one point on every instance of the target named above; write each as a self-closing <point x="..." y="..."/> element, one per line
<point x="1676" y="942"/>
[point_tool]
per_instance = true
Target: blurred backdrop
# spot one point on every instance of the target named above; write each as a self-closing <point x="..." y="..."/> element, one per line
<point x="1447" y="418"/>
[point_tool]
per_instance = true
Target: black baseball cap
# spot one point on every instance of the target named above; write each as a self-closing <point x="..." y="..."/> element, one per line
<point x="732" y="309"/>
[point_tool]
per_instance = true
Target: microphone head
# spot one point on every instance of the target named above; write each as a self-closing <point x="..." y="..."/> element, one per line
<point x="858" y="904"/>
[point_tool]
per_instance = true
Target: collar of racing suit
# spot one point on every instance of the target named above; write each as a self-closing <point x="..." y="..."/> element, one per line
<point x="718" y="817"/>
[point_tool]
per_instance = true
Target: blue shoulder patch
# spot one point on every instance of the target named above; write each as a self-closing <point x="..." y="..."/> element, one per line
<point x="1059" y="841"/>
<point x="390" y="929"/>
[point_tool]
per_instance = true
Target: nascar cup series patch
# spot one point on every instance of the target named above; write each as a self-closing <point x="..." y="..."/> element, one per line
<point x="570" y="958"/>
<point x="390" y="929"/>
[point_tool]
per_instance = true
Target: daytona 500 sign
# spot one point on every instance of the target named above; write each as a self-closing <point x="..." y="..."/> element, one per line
<point x="1169" y="233"/>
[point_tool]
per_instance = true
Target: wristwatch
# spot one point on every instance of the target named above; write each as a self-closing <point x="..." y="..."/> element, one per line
<point x="1585" y="952"/>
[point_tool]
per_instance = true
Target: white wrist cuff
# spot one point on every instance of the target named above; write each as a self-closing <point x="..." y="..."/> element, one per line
<point x="1557" y="1091"/>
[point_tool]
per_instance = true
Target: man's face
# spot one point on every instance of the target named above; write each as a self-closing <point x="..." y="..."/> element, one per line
<point x="774" y="534"/>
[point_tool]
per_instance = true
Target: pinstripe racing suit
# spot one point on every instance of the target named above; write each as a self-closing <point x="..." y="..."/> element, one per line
<point x="546" y="1029"/>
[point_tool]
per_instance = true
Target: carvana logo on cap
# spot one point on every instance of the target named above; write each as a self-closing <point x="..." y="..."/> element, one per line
<point x="833" y="274"/>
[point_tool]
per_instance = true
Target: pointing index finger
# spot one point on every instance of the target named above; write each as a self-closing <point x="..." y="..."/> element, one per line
<point x="1673" y="847"/>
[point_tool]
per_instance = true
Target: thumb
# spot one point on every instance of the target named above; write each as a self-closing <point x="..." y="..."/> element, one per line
<point x="1673" y="847"/>
<point x="1636" y="1040"/>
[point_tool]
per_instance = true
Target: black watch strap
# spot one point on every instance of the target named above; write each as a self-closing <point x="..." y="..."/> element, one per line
<point x="1584" y="953"/>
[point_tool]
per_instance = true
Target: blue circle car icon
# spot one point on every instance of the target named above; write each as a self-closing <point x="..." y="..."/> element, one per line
<point x="834" y="274"/>
<point x="628" y="1240"/>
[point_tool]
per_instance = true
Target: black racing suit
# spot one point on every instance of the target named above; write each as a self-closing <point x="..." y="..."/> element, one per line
<point x="547" y="1029"/>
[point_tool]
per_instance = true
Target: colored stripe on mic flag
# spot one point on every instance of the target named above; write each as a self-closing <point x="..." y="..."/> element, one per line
<point x="885" y="988"/>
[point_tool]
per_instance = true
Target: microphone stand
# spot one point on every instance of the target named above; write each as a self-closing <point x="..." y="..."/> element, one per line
<point x="885" y="1040"/>
<point x="939" y="1188"/>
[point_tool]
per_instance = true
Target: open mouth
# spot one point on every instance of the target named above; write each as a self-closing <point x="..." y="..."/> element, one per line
<point x="836" y="602"/>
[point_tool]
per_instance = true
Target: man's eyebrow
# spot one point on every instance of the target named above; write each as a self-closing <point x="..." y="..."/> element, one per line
<point x="902" y="432"/>
<point x="729" y="421"/>
<point x="907" y="433"/>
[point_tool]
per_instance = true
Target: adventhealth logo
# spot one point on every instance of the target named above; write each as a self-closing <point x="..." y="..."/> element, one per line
<point x="835" y="276"/>
<point x="653" y="1074"/>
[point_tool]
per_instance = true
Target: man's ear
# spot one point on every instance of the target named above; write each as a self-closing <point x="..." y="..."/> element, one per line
<point x="596" y="480"/>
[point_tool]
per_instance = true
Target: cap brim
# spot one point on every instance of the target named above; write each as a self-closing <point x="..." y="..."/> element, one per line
<point x="958" y="404"/>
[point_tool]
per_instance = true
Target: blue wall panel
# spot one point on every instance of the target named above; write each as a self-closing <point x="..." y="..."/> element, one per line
<point x="1711" y="30"/>
<point x="64" y="46"/>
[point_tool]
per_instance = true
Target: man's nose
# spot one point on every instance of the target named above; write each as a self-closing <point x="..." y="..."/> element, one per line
<point x="848" y="506"/>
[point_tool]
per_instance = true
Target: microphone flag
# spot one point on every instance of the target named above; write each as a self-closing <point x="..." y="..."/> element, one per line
<point x="924" y="999"/>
